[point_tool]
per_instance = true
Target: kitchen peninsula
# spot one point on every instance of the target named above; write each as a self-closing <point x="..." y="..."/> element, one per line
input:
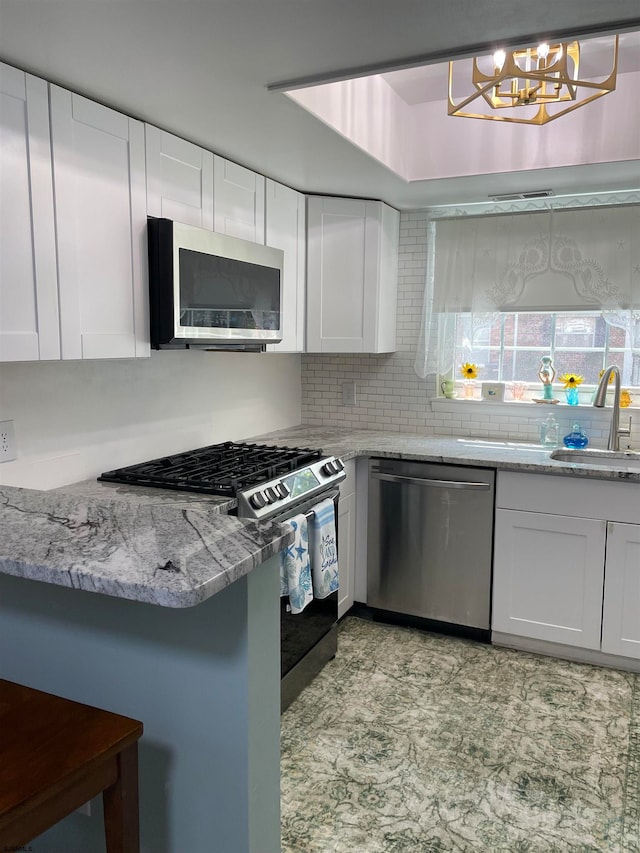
<point x="204" y="679"/>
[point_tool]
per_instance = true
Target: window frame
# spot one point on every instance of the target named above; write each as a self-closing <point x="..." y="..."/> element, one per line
<point x="550" y="347"/>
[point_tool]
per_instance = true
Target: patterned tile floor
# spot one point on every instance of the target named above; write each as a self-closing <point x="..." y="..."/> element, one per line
<point x="411" y="742"/>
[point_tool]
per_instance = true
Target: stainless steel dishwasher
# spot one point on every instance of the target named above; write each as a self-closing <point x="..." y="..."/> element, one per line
<point x="430" y="542"/>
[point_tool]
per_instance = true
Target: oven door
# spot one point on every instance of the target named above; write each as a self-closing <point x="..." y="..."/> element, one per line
<point x="308" y="640"/>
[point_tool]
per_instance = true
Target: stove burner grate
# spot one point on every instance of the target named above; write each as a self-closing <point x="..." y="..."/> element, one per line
<point x="219" y="469"/>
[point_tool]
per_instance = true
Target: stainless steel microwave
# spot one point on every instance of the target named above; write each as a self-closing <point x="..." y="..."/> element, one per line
<point x="212" y="291"/>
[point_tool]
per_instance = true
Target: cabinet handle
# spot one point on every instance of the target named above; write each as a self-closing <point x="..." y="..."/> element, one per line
<point x="438" y="484"/>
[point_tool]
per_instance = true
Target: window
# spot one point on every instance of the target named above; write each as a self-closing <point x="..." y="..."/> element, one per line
<point x="503" y="290"/>
<point x="508" y="346"/>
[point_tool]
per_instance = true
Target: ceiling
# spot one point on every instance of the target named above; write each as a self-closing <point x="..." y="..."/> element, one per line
<point x="202" y="68"/>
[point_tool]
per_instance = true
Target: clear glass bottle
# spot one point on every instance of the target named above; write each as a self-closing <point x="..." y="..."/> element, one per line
<point x="549" y="432"/>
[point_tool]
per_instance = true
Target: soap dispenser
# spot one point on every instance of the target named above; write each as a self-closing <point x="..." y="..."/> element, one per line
<point x="549" y="432"/>
<point x="577" y="438"/>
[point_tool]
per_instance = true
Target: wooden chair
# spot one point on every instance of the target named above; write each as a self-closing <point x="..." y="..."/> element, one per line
<point x="56" y="755"/>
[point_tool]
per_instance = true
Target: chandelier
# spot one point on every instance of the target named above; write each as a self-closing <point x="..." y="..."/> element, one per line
<point x="533" y="85"/>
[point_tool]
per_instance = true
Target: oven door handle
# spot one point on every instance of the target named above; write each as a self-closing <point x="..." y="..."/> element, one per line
<point x="282" y="517"/>
<point x="437" y="484"/>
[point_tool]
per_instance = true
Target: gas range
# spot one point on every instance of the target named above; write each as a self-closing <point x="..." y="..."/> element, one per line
<point x="266" y="480"/>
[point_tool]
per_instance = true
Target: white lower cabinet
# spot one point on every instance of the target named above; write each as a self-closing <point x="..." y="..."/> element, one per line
<point x="347" y="539"/>
<point x="547" y="575"/>
<point x="567" y="562"/>
<point x="621" y="613"/>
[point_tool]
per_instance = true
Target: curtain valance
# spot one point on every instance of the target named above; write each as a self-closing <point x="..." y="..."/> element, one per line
<point x="562" y="260"/>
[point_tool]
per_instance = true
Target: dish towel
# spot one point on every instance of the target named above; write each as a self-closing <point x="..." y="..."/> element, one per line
<point x="324" y="549"/>
<point x="295" y="570"/>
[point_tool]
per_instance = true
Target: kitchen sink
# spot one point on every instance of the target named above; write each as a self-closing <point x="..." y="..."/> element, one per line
<point x="621" y="459"/>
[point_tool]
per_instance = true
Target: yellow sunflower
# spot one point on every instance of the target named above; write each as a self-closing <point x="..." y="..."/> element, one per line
<point x="571" y="380"/>
<point x="611" y="376"/>
<point x="469" y="371"/>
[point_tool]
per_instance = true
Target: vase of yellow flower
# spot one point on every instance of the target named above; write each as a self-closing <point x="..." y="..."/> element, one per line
<point x="469" y="374"/>
<point x="571" y="383"/>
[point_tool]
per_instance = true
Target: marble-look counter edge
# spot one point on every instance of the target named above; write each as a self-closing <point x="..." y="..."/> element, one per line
<point x="173" y="556"/>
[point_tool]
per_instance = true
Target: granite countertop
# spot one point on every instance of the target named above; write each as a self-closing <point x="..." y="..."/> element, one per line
<point x="176" y="549"/>
<point x="161" y="549"/>
<point x="504" y="455"/>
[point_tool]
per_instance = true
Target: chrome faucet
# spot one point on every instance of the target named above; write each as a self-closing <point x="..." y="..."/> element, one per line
<point x="599" y="401"/>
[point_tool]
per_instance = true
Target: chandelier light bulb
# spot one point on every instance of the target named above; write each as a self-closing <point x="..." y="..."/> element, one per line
<point x="543" y="50"/>
<point x="498" y="59"/>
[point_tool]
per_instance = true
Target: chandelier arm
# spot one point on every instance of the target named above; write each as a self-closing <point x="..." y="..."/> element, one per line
<point x="470" y="98"/>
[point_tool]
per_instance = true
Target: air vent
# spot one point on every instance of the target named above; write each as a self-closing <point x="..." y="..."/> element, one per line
<point x="518" y="196"/>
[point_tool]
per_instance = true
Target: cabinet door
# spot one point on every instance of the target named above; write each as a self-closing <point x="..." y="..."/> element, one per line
<point x="285" y="229"/>
<point x="347" y="552"/>
<point x="547" y="577"/>
<point x="29" y="327"/>
<point x="621" y="614"/>
<point x="238" y="201"/>
<point x="179" y="179"/>
<point x="339" y="262"/>
<point x="100" y="209"/>
<point x="351" y="275"/>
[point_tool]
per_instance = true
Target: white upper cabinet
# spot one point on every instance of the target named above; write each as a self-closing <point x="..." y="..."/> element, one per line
<point x="238" y="207"/>
<point x="179" y="179"/>
<point x="352" y="275"/>
<point x="100" y="210"/>
<point x="285" y="229"/>
<point x="29" y="327"/>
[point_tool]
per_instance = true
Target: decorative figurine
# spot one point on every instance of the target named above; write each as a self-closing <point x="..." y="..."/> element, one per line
<point x="546" y="374"/>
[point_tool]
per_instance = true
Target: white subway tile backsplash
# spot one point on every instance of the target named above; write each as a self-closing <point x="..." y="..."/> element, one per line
<point x="392" y="396"/>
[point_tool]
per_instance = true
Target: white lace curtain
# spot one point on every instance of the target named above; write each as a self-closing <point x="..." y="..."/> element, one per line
<point x="565" y="260"/>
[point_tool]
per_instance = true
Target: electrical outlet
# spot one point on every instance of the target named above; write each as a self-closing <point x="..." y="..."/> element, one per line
<point x="348" y="393"/>
<point x="7" y="441"/>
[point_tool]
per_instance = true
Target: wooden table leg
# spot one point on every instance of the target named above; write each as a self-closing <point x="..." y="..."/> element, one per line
<point x="121" y="805"/>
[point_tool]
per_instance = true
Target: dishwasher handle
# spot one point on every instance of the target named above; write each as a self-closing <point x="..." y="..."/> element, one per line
<point x="437" y="484"/>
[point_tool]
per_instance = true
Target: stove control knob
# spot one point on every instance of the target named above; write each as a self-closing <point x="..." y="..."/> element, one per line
<point x="339" y="463"/>
<point x="283" y="490"/>
<point x="330" y="467"/>
<point x="257" y="500"/>
<point x="271" y="495"/>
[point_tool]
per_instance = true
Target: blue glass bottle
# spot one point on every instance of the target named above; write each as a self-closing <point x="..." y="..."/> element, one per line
<point x="576" y="439"/>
